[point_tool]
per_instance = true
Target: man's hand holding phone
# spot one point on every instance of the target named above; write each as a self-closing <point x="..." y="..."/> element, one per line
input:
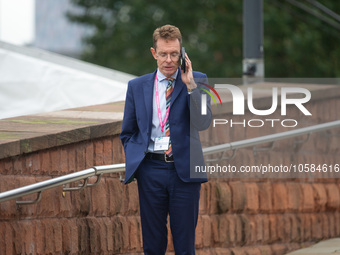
<point x="186" y="71"/>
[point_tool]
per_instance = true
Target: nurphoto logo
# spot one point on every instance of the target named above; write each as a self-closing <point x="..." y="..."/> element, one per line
<point x="238" y="98"/>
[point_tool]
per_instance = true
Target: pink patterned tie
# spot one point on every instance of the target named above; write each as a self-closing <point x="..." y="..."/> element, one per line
<point x="169" y="90"/>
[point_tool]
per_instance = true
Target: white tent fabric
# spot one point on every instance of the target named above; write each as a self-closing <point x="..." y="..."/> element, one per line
<point x="35" y="81"/>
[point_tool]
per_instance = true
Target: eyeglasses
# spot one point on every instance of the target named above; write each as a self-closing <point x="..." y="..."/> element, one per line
<point x="173" y="56"/>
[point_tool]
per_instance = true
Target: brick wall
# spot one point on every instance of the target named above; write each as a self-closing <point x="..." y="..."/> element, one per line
<point x="237" y="216"/>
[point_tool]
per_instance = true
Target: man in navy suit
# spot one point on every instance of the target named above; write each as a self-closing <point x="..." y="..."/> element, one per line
<point x="161" y="121"/>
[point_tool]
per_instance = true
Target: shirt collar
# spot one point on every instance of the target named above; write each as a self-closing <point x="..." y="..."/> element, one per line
<point x="162" y="77"/>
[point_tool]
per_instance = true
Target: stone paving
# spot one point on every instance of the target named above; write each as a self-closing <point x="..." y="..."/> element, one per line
<point x="331" y="246"/>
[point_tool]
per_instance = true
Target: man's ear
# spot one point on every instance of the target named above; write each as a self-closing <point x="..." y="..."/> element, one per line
<point x="153" y="51"/>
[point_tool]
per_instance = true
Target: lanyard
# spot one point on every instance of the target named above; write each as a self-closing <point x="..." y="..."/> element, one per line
<point x="162" y="123"/>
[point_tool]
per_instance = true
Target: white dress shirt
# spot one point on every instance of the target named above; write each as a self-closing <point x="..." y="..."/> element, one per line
<point x="156" y="127"/>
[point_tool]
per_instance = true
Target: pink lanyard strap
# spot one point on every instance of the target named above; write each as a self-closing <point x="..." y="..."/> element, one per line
<point x="162" y="123"/>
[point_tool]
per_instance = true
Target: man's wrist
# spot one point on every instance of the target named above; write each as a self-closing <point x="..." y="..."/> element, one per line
<point x="191" y="86"/>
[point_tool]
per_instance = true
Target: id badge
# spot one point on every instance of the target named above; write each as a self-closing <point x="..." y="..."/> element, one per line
<point x="161" y="143"/>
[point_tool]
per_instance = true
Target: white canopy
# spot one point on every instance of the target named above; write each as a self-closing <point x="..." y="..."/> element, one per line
<point x="35" y="81"/>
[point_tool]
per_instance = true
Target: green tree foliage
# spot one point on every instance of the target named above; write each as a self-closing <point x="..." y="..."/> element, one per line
<point x="296" y="43"/>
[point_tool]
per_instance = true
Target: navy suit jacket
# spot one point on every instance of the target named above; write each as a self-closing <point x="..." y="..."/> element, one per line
<point x="185" y="121"/>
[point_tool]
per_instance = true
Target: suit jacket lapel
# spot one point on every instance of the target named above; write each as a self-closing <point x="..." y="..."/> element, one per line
<point x="148" y="86"/>
<point x="179" y="86"/>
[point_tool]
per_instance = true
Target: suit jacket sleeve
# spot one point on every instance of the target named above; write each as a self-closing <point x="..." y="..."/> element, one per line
<point x="199" y="121"/>
<point x="129" y="126"/>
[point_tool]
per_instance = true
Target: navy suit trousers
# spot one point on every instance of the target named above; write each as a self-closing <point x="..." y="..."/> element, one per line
<point x="163" y="193"/>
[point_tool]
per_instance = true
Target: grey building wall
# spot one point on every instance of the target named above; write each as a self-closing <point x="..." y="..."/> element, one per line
<point x="54" y="32"/>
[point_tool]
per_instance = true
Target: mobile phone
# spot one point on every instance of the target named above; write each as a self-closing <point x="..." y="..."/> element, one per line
<point x="183" y="59"/>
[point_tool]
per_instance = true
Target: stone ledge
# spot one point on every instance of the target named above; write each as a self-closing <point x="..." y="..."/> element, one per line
<point x="26" y="134"/>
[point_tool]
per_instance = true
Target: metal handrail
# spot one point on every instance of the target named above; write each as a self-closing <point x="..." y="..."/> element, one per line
<point x="270" y="138"/>
<point x="97" y="171"/>
<point x="61" y="180"/>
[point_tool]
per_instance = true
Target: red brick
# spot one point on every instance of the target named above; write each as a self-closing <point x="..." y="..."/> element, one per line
<point x="279" y="197"/>
<point x="259" y="227"/>
<point x="70" y="236"/>
<point x="98" y="152"/>
<point x="2" y="237"/>
<point x="316" y="226"/>
<point x="83" y="236"/>
<point x="85" y="201"/>
<point x="325" y="226"/>
<point x="295" y="228"/>
<point x="235" y="229"/>
<point x="94" y="235"/>
<point x="332" y="227"/>
<point x="320" y="196"/>
<point x="55" y="161"/>
<point x="238" y="191"/>
<point x="107" y="152"/>
<point x="18" y="238"/>
<point x="221" y="251"/>
<point x="206" y="222"/>
<point x="265" y="250"/>
<point x="27" y="211"/>
<point x="117" y="151"/>
<point x="7" y="239"/>
<point x="266" y="229"/>
<point x="45" y="162"/>
<point x="125" y="233"/>
<point x="253" y="251"/>
<point x="49" y="236"/>
<point x="115" y="188"/>
<point x="294" y="196"/>
<point x="203" y="203"/>
<point x="99" y="199"/>
<point x="18" y="166"/>
<point x="337" y="224"/>
<point x="265" y="197"/>
<point x="48" y="204"/>
<point x="307" y="227"/>
<point x="8" y="208"/>
<point x="214" y="229"/>
<point x="134" y="233"/>
<point x="71" y="156"/>
<point x="280" y="228"/>
<point x="252" y="191"/>
<point x="89" y="155"/>
<point x="238" y="251"/>
<point x="213" y="199"/>
<point x="224" y="229"/>
<point x="307" y="203"/>
<point x="28" y="230"/>
<point x="109" y="235"/>
<point x="64" y="169"/>
<point x="130" y="204"/>
<point x="333" y="197"/>
<point x="40" y="237"/>
<point x="278" y="249"/>
<point x="224" y="196"/>
<point x="252" y="231"/>
<point x="117" y="234"/>
<point x="57" y="236"/>
<point x="246" y="228"/>
<point x="287" y="231"/>
<point x="199" y="233"/>
<point x="80" y="158"/>
<point x="6" y="167"/>
<point x="273" y="228"/>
